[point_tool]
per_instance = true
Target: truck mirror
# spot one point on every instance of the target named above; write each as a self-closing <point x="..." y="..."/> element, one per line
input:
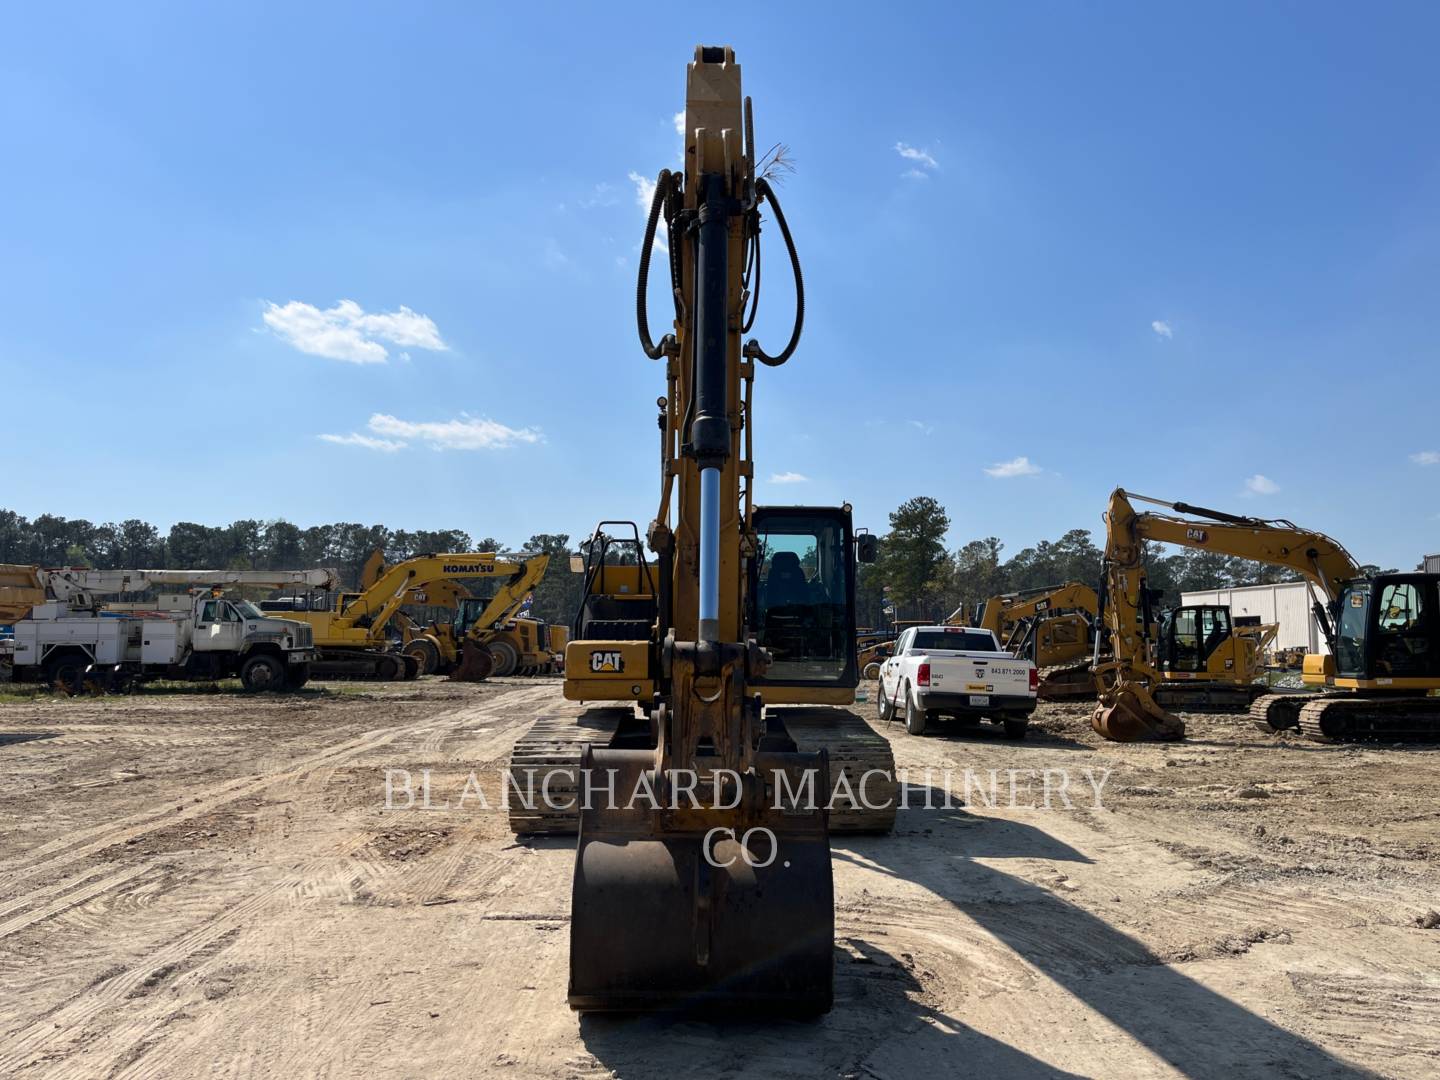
<point x="577" y="564"/>
<point x="866" y="547"/>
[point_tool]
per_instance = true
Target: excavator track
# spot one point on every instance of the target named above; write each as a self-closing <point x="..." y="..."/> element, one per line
<point x="1343" y="718"/>
<point x="1278" y="712"/>
<point x="553" y="747"/>
<point x="1067" y="682"/>
<point x="1207" y="697"/>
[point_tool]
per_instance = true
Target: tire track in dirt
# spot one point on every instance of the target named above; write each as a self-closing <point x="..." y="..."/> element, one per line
<point x="70" y="899"/>
<point x="128" y="1045"/>
<point x="70" y="1023"/>
<point x="63" y="851"/>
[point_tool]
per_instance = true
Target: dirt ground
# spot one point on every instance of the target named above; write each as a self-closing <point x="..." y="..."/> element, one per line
<point x="210" y="885"/>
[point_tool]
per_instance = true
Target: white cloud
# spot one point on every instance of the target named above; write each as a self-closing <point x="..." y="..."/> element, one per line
<point x="914" y="174"/>
<point x="644" y="191"/>
<point x="603" y="194"/>
<point x="347" y="332"/>
<point x="553" y="257"/>
<point x="1162" y="329"/>
<point x="789" y="478"/>
<point x="1260" y="484"/>
<point x="644" y="195"/>
<point x="1426" y="457"/>
<point x="917" y="155"/>
<point x="389" y="446"/>
<point x="679" y="119"/>
<point x="921" y="426"/>
<point x="1020" y="466"/>
<point x="466" y="433"/>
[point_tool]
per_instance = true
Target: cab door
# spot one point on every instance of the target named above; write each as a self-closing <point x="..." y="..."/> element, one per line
<point x="1404" y="637"/>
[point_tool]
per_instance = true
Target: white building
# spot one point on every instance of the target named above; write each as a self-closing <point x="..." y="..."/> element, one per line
<point x="1432" y="564"/>
<point x="1289" y="605"/>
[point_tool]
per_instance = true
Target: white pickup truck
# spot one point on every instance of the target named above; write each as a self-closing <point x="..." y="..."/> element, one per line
<point x="956" y="671"/>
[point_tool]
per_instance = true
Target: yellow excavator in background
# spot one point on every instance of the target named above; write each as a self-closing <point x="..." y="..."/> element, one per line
<point x="1383" y="631"/>
<point x="486" y="635"/>
<point x="717" y="893"/>
<point x="20" y="589"/>
<point x="353" y="630"/>
<point x="1204" y="662"/>
<point x="1053" y="627"/>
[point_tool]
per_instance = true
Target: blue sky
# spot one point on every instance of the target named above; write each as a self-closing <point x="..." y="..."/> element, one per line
<point x="1170" y="248"/>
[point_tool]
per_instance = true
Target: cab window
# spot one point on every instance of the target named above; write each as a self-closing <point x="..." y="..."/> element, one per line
<point x="1402" y="647"/>
<point x="208" y="613"/>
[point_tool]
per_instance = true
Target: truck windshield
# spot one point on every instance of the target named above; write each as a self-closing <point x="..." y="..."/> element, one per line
<point x="962" y="640"/>
<point x="248" y="610"/>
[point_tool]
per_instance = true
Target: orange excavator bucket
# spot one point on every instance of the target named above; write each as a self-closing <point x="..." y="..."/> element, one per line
<point x="477" y="663"/>
<point x="1129" y="714"/>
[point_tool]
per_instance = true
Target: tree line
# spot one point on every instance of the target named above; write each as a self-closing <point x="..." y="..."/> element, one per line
<point x="920" y="578"/>
<point x="916" y="575"/>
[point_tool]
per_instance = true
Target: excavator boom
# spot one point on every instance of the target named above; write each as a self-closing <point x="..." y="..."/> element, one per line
<point x="723" y="898"/>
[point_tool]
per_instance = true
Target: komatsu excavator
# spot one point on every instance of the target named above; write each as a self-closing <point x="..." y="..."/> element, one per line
<point x="717" y="892"/>
<point x="486" y="635"/>
<point x="353" y="629"/>
<point x="1383" y="631"/>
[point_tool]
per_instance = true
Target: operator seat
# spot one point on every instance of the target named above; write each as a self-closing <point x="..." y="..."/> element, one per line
<point x="786" y="586"/>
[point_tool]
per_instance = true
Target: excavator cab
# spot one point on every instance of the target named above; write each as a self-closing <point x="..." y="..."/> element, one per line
<point x="1388" y="633"/>
<point x="1192" y="640"/>
<point x="802" y="601"/>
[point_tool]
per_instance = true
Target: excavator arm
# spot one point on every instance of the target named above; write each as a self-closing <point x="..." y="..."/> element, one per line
<point x="1127" y="710"/>
<point x="1015" y="607"/>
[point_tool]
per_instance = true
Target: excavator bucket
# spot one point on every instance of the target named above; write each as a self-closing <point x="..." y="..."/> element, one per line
<point x="675" y="914"/>
<point x="477" y="664"/>
<point x="1128" y="715"/>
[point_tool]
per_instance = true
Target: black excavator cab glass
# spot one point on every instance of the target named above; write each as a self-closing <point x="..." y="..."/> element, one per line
<point x="1389" y="628"/>
<point x="802" y="595"/>
<point x="1190" y="635"/>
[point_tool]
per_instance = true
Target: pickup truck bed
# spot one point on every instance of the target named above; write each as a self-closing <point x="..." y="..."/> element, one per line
<point x="956" y="671"/>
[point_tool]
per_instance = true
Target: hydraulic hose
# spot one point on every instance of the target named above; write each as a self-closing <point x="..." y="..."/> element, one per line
<point x="752" y="347"/>
<point x="642" y="320"/>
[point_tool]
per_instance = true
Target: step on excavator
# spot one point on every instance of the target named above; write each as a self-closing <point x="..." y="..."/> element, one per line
<point x="1383" y="630"/>
<point x="715" y="894"/>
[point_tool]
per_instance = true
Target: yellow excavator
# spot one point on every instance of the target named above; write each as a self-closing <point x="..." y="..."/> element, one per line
<point x="353" y="630"/>
<point x="1053" y="627"/>
<point x="21" y="588"/>
<point x="486" y="635"/>
<point x="1383" y="630"/>
<point x="716" y="893"/>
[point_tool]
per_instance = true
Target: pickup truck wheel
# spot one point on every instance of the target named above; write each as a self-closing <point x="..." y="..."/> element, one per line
<point x="1015" y="729"/>
<point x="263" y="672"/>
<point x="884" y="706"/>
<point x="914" y="716"/>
